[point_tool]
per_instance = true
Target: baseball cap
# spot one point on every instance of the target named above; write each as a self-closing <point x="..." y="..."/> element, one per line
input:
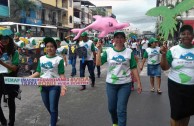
<point x="84" y="34"/>
<point x="95" y="39"/>
<point x="152" y="39"/>
<point x="72" y="36"/>
<point x="119" y="33"/>
<point x="18" y="34"/>
<point x="50" y="39"/>
<point x="28" y="31"/>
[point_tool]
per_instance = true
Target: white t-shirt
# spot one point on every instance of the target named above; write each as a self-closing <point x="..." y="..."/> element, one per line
<point x="153" y="55"/>
<point x="134" y="45"/>
<point x="49" y="66"/>
<point x="144" y="44"/>
<point x="182" y="66"/>
<point x="119" y="71"/>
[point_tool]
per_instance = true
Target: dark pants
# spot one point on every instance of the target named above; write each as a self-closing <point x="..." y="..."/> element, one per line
<point x="11" y="105"/>
<point x="90" y="65"/>
<point x="98" y="70"/>
<point x="142" y="53"/>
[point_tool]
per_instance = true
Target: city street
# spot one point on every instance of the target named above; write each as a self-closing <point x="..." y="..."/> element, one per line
<point x="89" y="107"/>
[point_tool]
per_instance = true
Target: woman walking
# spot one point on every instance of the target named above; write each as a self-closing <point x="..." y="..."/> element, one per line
<point x="152" y="53"/>
<point x="9" y="61"/>
<point x="48" y="67"/>
<point x="121" y="63"/>
<point x="180" y="60"/>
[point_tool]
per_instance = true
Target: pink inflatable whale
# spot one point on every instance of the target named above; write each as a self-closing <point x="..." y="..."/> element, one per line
<point x="104" y="25"/>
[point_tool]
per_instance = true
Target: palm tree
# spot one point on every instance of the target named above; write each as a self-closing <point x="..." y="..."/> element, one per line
<point x="169" y="14"/>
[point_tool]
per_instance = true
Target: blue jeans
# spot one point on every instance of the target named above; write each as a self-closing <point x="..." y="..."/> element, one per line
<point x="73" y="64"/>
<point x="50" y="97"/>
<point x="118" y="96"/>
<point x="90" y="65"/>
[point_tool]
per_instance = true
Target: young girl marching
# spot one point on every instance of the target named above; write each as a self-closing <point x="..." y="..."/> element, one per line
<point x="51" y="66"/>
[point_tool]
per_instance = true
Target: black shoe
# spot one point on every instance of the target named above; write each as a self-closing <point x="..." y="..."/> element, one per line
<point x="4" y="124"/>
<point x="82" y="88"/>
<point x="73" y="75"/>
<point x="10" y="124"/>
<point x="92" y="85"/>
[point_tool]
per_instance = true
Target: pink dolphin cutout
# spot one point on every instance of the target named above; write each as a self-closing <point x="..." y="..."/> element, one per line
<point x="104" y="25"/>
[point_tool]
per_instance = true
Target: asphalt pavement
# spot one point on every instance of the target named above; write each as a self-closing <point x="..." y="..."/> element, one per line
<point x="89" y="107"/>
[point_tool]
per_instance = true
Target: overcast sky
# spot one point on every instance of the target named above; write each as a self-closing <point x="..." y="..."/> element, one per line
<point x="131" y="11"/>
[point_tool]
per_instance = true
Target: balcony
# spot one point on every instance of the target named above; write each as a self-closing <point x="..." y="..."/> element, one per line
<point x="30" y="20"/>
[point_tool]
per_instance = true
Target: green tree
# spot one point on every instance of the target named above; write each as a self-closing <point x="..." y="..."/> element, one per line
<point x="17" y="6"/>
<point x="99" y="11"/>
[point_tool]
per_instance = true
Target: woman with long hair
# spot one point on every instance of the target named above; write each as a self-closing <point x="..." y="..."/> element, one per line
<point x="9" y="66"/>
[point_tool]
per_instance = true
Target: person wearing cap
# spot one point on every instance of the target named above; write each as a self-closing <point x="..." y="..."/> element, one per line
<point x="180" y="60"/>
<point x="61" y="51"/>
<point x="152" y="53"/>
<point x="98" y="67"/>
<point x="121" y="63"/>
<point x="19" y="43"/>
<point x="48" y="67"/>
<point x="9" y="62"/>
<point x="32" y="42"/>
<point x="89" y="62"/>
<point x="72" y="46"/>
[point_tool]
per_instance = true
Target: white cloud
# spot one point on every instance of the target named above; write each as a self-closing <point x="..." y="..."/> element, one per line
<point x="131" y="11"/>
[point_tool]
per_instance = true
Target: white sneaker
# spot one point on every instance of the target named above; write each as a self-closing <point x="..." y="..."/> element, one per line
<point x="58" y="118"/>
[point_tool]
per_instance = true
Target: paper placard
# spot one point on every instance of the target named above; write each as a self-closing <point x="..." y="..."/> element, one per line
<point x="47" y="81"/>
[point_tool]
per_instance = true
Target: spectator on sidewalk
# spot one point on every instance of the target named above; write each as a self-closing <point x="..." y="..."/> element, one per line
<point x="180" y="60"/>
<point x="121" y="63"/>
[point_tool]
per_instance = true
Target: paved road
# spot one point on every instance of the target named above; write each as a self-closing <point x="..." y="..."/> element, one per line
<point x="89" y="107"/>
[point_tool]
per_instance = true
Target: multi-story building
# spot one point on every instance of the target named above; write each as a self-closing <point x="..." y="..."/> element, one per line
<point x="58" y="13"/>
<point x="82" y="13"/>
<point x="77" y="14"/>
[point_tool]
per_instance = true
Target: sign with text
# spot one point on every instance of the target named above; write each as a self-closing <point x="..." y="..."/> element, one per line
<point x="47" y="81"/>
